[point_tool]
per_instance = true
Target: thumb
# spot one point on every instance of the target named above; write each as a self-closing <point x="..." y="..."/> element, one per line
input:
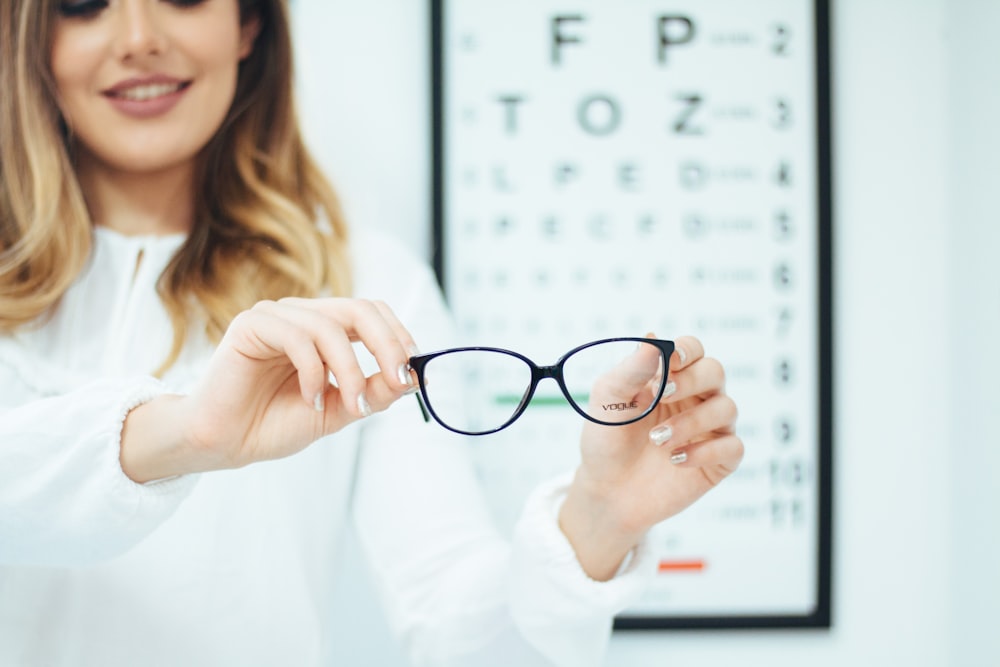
<point x="623" y="391"/>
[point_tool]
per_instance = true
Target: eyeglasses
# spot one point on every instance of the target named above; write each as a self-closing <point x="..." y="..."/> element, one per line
<point x="482" y="390"/>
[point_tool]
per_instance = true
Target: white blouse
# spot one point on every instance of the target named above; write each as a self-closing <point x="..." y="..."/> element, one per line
<point x="237" y="567"/>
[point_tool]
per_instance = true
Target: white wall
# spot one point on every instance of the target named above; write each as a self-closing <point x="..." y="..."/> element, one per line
<point x="974" y="345"/>
<point x="917" y="314"/>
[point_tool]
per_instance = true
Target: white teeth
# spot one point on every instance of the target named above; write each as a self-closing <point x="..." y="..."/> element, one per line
<point x="148" y="92"/>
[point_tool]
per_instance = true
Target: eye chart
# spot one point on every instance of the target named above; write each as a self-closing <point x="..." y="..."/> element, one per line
<point x="612" y="168"/>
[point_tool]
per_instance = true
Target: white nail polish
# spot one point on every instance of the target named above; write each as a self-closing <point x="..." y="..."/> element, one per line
<point x="332" y="379"/>
<point x="669" y="390"/>
<point x="363" y="407"/>
<point x="682" y="355"/>
<point x="678" y="458"/>
<point x="318" y="402"/>
<point x="661" y="434"/>
<point x="403" y="373"/>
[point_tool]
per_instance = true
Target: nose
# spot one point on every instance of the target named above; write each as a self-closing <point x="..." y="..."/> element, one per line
<point x="138" y="30"/>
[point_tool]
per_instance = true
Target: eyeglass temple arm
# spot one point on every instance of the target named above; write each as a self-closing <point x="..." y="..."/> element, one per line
<point x="423" y="408"/>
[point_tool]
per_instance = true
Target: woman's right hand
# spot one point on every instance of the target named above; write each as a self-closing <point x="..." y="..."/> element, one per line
<point x="266" y="392"/>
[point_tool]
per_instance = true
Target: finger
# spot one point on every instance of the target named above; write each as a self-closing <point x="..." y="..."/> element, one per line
<point x="714" y="415"/>
<point x="379" y="330"/>
<point x="381" y="391"/>
<point x="261" y="329"/>
<point x="629" y="377"/>
<point x="402" y="333"/>
<point x="378" y="394"/>
<point x="724" y="452"/>
<point x="373" y="324"/>
<point x="405" y="374"/>
<point x="687" y="350"/>
<point x="334" y="348"/>
<point x="704" y="377"/>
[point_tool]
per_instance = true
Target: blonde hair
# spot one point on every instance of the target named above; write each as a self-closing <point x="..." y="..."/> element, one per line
<point x="267" y="223"/>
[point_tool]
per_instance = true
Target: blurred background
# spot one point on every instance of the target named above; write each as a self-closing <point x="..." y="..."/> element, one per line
<point x="916" y="163"/>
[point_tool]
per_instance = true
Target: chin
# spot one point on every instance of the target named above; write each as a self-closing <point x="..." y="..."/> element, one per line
<point x="149" y="162"/>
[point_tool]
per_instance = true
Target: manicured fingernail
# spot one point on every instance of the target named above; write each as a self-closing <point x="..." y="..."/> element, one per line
<point x="678" y="458"/>
<point x="331" y="378"/>
<point x="660" y="435"/>
<point x="363" y="407"/>
<point x="403" y="373"/>
<point x="682" y="355"/>
<point x="318" y="402"/>
<point x="669" y="390"/>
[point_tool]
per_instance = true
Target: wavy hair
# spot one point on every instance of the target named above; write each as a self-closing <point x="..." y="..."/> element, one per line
<point x="267" y="223"/>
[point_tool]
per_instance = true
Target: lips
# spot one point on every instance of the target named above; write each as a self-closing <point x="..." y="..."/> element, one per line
<point x="146" y="88"/>
<point x="147" y="96"/>
<point x="147" y="92"/>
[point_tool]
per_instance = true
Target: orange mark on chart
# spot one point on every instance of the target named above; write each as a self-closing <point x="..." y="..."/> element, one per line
<point x="691" y="565"/>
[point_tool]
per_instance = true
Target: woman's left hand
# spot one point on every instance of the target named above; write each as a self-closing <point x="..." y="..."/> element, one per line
<point x="635" y="476"/>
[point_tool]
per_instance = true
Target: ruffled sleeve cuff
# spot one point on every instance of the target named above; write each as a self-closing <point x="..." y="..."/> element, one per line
<point x="67" y="500"/>
<point x="158" y="489"/>
<point x="140" y="506"/>
<point x="564" y="613"/>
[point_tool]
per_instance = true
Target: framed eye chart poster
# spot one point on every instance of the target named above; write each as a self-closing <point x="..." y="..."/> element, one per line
<point x="618" y="167"/>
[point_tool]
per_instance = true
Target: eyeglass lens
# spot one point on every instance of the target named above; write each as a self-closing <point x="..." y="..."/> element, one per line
<point x="477" y="391"/>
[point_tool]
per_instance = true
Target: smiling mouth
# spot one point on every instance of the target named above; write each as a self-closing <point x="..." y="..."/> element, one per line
<point x="147" y="92"/>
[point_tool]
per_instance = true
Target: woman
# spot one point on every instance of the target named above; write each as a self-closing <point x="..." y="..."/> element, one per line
<point x="176" y="290"/>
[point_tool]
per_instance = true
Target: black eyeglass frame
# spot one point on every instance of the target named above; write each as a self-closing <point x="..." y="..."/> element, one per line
<point x="538" y="373"/>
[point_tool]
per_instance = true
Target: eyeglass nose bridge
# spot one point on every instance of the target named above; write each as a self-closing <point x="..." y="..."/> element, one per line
<point x="554" y="372"/>
<point x="539" y="373"/>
